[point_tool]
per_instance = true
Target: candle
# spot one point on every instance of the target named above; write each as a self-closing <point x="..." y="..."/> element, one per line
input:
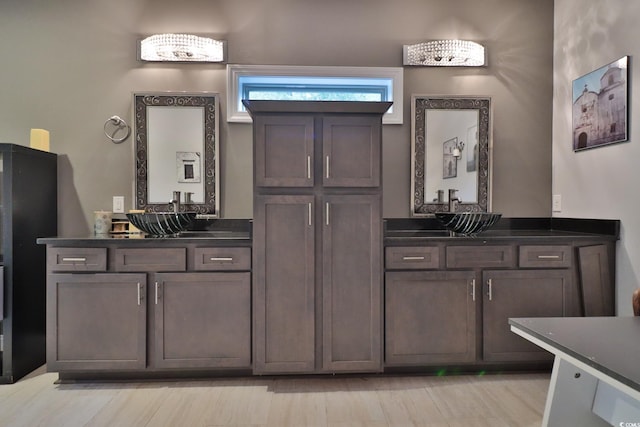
<point x="40" y="139"/>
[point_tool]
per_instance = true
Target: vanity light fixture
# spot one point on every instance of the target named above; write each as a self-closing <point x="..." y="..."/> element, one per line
<point x="444" y="53"/>
<point x="181" y="48"/>
<point x="457" y="151"/>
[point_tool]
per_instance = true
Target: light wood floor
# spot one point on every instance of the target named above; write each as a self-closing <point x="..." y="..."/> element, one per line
<point x="505" y="400"/>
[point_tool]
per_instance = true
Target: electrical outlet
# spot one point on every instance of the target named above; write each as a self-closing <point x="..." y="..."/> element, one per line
<point x="118" y="204"/>
<point x="557" y="203"/>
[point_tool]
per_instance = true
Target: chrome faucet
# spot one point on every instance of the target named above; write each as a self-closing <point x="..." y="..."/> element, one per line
<point x="175" y="201"/>
<point x="453" y="200"/>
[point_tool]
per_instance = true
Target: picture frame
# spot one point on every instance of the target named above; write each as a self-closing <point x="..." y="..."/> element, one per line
<point x="600" y="106"/>
<point x="449" y="162"/>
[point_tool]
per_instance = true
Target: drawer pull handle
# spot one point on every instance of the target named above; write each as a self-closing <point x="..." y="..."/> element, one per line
<point x="156" y="293"/>
<point x="327" y="171"/>
<point x="221" y="259"/>
<point x="327" y="209"/>
<point x="413" y="258"/>
<point x="548" y="256"/>
<point x="308" y="167"/>
<point x="490" y="291"/>
<point x="473" y="289"/>
<point x="74" y="259"/>
<point x="138" y="293"/>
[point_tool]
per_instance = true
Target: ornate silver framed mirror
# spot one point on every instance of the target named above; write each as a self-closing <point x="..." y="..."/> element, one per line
<point x="176" y="149"/>
<point x="450" y="150"/>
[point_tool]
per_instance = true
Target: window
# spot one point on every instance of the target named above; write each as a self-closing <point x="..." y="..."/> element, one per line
<point x="313" y="84"/>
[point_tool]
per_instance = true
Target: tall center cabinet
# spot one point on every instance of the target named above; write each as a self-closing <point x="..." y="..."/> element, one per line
<point x="317" y="236"/>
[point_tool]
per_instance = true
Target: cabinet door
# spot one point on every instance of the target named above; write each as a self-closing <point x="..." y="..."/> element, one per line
<point x="430" y="317"/>
<point x="351" y="147"/>
<point x="352" y="283"/>
<point x="202" y="320"/>
<point x="96" y="321"/>
<point x="519" y="293"/>
<point x="283" y="151"/>
<point x="597" y="282"/>
<point x="284" y="284"/>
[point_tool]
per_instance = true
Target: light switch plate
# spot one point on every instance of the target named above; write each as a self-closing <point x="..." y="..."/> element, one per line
<point x="557" y="203"/>
<point x="118" y="204"/>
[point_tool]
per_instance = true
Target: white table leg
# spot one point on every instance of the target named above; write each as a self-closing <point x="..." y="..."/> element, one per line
<point x="570" y="397"/>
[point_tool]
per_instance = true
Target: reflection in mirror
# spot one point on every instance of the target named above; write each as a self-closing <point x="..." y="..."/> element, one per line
<point x="450" y="151"/>
<point x="453" y="164"/>
<point x="177" y="150"/>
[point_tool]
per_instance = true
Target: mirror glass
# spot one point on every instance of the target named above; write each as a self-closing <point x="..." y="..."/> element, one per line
<point x="176" y="150"/>
<point x="450" y="150"/>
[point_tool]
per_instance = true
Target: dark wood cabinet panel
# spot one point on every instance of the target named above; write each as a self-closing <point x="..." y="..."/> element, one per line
<point x="96" y="321"/>
<point x="202" y="320"/>
<point x="597" y="280"/>
<point x="77" y="259"/>
<point x="519" y="293"/>
<point x="317" y="236"/>
<point x="545" y="256"/>
<point x="351" y="151"/>
<point x="283" y="151"/>
<point x="150" y="259"/>
<point x="351" y="286"/>
<point x="284" y="284"/>
<point x="412" y="257"/>
<point x="149" y="323"/>
<point x="430" y="317"/>
<point x="222" y="259"/>
<point x="487" y="256"/>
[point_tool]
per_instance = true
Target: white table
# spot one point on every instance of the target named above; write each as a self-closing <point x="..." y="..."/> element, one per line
<point x="596" y="372"/>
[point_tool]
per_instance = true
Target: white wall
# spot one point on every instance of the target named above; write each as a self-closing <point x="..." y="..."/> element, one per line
<point x="600" y="182"/>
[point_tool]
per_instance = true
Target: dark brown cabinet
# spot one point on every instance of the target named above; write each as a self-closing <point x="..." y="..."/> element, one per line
<point x="139" y="307"/>
<point x="351" y="148"/>
<point x="283" y="151"/>
<point x="317" y="236"/>
<point x="519" y="293"/>
<point x="352" y="283"/>
<point x="284" y="278"/>
<point x="96" y="321"/>
<point x="448" y="302"/>
<point x="430" y="317"/>
<point x="202" y="320"/>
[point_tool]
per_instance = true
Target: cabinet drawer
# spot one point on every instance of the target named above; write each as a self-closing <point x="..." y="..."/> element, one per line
<point x="222" y="259"/>
<point x="480" y="256"/>
<point x="541" y="256"/>
<point x="412" y="258"/>
<point x="77" y="259"/>
<point x="151" y="259"/>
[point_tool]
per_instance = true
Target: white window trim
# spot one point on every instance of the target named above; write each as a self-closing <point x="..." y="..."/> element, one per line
<point x="234" y="72"/>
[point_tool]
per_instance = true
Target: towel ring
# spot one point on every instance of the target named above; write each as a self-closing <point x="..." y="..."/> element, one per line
<point x="119" y="124"/>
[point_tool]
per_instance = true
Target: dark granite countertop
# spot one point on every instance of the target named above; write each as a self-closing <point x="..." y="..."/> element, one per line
<point x="417" y="229"/>
<point x="220" y="232"/>
<point x="227" y="232"/>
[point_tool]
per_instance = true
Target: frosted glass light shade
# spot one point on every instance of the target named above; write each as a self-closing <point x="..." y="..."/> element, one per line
<point x="181" y="48"/>
<point x="444" y="53"/>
